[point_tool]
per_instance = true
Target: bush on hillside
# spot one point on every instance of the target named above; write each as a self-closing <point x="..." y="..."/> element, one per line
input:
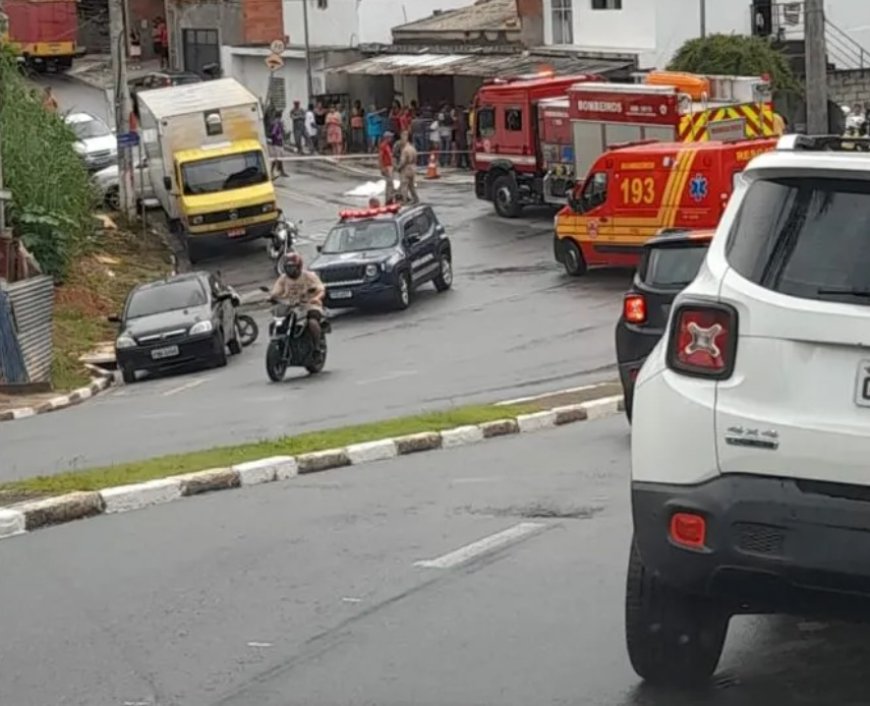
<point x="736" y="55"/>
<point x="52" y="198"/>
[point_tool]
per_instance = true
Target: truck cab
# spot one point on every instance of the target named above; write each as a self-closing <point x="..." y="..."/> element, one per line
<point x="633" y="191"/>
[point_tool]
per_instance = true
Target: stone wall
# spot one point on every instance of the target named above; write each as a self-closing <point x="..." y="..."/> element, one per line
<point x="848" y="87"/>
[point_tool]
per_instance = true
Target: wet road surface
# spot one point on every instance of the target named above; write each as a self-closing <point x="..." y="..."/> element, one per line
<point x="311" y="593"/>
<point x="513" y="325"/>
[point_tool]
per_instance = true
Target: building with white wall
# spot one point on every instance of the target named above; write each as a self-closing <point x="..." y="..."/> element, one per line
<point x="655" y="29"/>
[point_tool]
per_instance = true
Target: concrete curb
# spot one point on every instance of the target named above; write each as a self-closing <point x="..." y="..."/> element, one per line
<point x="102" y="381"/>
<point x="25" y="517"/>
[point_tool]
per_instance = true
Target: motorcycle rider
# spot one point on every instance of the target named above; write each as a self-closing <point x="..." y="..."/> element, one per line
<point x="301" y="287"/>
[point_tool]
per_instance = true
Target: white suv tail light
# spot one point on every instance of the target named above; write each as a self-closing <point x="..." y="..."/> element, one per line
<point x="703" y="340"/>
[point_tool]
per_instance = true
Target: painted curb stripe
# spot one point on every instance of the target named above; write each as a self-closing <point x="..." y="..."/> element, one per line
<point x="75" y="397"/>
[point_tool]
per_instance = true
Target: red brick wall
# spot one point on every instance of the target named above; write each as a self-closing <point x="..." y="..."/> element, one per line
<point x="263" y="21"/>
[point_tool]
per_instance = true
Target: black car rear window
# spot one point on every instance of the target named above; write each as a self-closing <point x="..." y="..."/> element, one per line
<point x="806" y="237"/>
<point x="673" y="267"/>
<point x="171" y="296"/>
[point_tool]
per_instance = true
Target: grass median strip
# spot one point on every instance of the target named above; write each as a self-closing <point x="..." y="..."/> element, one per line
<point x="221" y="457"/>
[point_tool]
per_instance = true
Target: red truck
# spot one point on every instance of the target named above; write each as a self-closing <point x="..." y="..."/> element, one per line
<point x="535" y="140"/>
<point x="42" y="32"/>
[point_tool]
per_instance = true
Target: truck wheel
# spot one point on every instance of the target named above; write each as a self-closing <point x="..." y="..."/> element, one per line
<point x="505" y="197"/>
<point x="572" y="258"/>
<point x="673" y="638"/>
<point x="194" y="250"/>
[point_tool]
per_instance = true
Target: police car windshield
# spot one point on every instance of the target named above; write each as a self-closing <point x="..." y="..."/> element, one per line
<point x="361" y="235"/>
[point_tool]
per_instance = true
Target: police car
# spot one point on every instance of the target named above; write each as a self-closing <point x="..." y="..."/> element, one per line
<point x="379" y="256"/>
<point x="750" y="441"/>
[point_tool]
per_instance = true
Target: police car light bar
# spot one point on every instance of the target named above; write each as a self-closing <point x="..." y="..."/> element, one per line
<point x="823" y="143"/>
<point x="351" y="214"/>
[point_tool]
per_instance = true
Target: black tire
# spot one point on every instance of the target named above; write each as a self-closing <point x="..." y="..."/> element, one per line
<point x="248" y="329"/>
<point x="276" y="367"/>
<point x="572" y="258"/>
<point x="128" y="375"/>
<point x="628" y="403"/>
<point x="235" y="345"/>
<point x="194" y="250"/>
<point x="320" y="362"/>
<point x="673" y="638"/>
<point x="505" y="196"/>
<point x="113" y="199"/>
<point x="402" y="293"/>
<point x="220" y="358"/>
<point x="444" y="280"/>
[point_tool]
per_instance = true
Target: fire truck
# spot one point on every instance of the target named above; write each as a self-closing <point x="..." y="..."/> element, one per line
<point x="532" y="139"/>
<point x="41" y="32"/>
<point x="635" y="191"/>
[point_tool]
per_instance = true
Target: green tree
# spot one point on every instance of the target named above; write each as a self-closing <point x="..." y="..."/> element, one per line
<point x="736" y="55"/>
<point x="52" y="198"/>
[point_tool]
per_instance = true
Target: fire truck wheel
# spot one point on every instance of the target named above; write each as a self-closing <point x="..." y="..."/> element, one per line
<point x="572" y="258"/>
<point x="505" y="197"/>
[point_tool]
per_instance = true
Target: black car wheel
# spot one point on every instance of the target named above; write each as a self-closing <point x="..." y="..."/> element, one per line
<point x="402" y="294"/>
<point x="572" y="258"/>
<point x="235" y="345"/>
<point x="444" y="280"/>
<point x="128" y="375"/>
<point x="673" y="638"/>
<point x="505" y="197"/>
<point x="220" y="355"/>
<point x="276" y="366"/>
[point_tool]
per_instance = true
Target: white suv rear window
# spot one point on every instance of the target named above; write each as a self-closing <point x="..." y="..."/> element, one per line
<point x="806" y="237"/>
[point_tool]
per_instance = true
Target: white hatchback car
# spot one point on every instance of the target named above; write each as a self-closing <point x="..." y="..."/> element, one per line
<point x="751" y="435"/>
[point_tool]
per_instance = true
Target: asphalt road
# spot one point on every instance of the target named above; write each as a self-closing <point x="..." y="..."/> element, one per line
<point x="308" y="593"/>
<point x="513" y="325"/>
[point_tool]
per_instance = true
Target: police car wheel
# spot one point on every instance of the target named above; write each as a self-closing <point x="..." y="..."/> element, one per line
<point x="444" y="280"/>
<point x="402" y="294"/>
<point x="572" y="259"/>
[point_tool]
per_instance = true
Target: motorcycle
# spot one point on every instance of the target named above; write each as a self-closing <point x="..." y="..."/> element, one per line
<point x="290" y="342"/>
<point x="248" y="331"/>
<point x="283" y="240"/>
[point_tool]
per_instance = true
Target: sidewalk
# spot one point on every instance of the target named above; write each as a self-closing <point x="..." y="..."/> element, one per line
<point x="367" y="168"/>
<point x="94" y="70"/>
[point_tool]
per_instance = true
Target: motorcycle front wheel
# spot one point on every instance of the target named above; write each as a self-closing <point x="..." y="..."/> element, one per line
<point x="276" y="365"/>
<point x="319" y="358"/>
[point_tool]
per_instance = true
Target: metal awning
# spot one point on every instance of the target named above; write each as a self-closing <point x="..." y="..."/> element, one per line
<point x="479" y="65"/>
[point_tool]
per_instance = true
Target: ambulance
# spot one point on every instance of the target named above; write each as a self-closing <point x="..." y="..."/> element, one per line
<point x="632" y="192"/>
<point x="530" y="143"/>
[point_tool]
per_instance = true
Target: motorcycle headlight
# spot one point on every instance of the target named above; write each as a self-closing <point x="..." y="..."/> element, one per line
<point x="201" y="327"/>
<point x="197" y="220"/>
<point x="371" y="271"/>
<point x="125" y="341"/>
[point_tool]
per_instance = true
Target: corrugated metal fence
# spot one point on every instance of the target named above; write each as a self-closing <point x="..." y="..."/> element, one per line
<point x="32" y="308"/>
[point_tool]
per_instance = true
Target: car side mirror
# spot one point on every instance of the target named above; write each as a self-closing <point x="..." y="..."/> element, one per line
<point x="439" y="229"/>
<point x="319" y="248"/>
<point x="412" y="238"/>
<point x="113" y="319"/>
<point x="167" y="183"/>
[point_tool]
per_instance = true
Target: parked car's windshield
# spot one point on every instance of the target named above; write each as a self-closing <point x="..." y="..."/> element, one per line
<point x="807" y="237"/>
<point x="674" y="266"/>
<point x="207" y="176"/>
<point x="86" y="129"/>
<point x="168" y="297"/>
<point x="362" y="235"/>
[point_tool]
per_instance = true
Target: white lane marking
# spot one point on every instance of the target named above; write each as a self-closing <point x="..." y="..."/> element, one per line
<point x="568" y="391"/>
<point x="259" y="644"/>
<point x="482" y="546"/>
<point x="351" y="600"/>
<point x="391" y="376"/>
<point x="187" y="386"/>
<point x="483" y="479"/>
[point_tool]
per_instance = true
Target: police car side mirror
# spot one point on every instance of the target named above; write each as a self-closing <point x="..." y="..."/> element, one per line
<point x="439" y="229"/>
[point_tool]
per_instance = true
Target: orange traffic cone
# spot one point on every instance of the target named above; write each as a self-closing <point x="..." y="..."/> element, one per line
<point x="432" y="169"/>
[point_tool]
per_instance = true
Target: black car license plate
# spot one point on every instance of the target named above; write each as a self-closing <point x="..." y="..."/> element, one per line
<point x="163" y="353"/>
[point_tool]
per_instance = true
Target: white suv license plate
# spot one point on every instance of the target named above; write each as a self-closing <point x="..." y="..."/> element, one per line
<point x="161" y="353"/>
<point x="862" y="387"/>
<point x="340" y="294"/>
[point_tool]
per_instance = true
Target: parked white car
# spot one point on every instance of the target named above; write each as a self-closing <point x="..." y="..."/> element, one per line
<point x="751" y="433"/>
<point x="96" y="145"/>
<point x="107" y="182"/>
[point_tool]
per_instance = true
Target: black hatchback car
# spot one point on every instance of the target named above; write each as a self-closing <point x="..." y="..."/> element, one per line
<point x="669" y="263"/>
<point x="379" y="256"/>
<point x="182" y="320"/>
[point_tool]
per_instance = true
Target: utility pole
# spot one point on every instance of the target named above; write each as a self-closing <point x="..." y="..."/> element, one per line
<point x="703" y="18"/>
<point x="817" y="67"/>
<point x="4" y="29"/>
<point x="307" y="52"/>
<point x="118" y="37"/>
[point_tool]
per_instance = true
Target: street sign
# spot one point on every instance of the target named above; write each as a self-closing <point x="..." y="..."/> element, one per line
<point x="274" y="62"/>
<point x="277" y="47"/>
<point x="128" y="139"/>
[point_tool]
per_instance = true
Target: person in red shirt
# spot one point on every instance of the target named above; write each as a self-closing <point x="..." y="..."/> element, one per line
<point x="405" y="120"/>
<point x="385" y="154"/>
<point x="163" y="32"/>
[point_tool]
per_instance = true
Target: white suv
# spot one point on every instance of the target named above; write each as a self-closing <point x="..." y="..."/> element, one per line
<point x="751" y="436"/>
